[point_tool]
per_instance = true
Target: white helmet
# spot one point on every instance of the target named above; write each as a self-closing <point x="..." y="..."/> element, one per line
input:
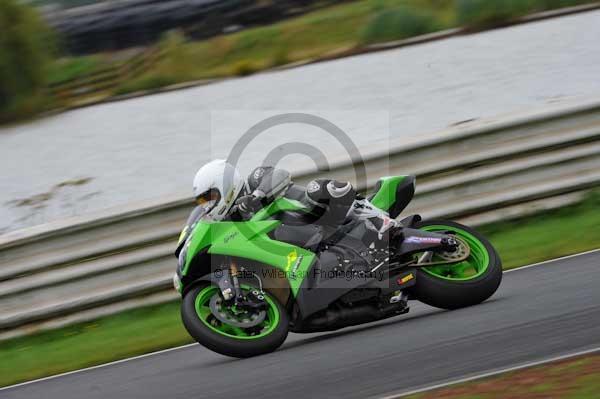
<point x="217" y="185"/>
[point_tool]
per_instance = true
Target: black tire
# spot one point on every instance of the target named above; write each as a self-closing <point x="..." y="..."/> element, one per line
<point x="446" y="294"/>
<point x="231" y="346"/>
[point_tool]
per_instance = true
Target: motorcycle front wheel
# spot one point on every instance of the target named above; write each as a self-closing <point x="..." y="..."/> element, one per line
<point x="462" y="284"/>
<point x="220" y="327"/>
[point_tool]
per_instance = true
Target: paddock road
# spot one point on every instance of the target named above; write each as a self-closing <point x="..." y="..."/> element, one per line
<point x="542" y="311"/>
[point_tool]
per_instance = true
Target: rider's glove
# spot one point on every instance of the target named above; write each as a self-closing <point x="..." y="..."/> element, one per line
<point x="248" y="204"/>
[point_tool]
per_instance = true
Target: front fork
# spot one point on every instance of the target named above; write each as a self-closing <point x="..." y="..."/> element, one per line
<point x="226" y="284"/>
<point x="231" y="290"/>
<point x="233" y="269"/>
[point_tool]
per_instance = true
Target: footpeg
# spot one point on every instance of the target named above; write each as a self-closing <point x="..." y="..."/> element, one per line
<point x="401" y="299"/>
<point x="397" y="298"/>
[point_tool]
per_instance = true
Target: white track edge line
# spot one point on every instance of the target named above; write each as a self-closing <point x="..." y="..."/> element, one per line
<point x="493" y="373"/>
<point x="552" y="260"/>
<point x="189" y="345"/>
<point x="51" y="377"/>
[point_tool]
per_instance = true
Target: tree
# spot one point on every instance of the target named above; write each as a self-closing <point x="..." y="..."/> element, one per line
<point x="26" y="48"/>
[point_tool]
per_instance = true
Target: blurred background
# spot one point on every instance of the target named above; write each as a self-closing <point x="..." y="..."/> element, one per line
<point x="82" y="57"/>
<point x="107" y="109"/>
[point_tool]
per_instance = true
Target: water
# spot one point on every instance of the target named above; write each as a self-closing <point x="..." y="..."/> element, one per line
<point x="107" y="155"/>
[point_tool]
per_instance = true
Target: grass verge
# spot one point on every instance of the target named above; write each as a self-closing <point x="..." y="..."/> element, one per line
<point x="332" y="29"/>
<point x="127" y="334"/>
<point x="69" y="68"/>
<point x="547" y="235"/>
<point x="536" y="238"/>
<point x="337" y="29"/>
<point x="576" y="378"/>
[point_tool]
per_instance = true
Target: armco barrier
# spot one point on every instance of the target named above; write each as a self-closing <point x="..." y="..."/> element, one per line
<point x="75" y="270"/>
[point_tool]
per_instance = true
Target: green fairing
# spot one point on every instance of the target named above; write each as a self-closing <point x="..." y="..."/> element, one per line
<point x="250" y="240"/>
<point x="386" y="195"/>
<point x="279" y="205"/>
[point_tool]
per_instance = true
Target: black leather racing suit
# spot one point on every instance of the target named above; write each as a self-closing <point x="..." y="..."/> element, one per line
<point x="266" y="183"/>
<point x="335" y="199"/>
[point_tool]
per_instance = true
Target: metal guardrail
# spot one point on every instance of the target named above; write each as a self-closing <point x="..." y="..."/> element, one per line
<point x="73" y="271"/>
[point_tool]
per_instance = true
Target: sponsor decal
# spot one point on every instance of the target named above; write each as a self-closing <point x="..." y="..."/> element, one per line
<point x="291" y="258"/>
<point x="293" y="263"/>
<point x="258" y="173"/>
<point x="230" y="237"/>
<point x="313" y="187"/>
<point x="406" y="278"/>
<point x="296" y="265"/>
<point x="337" y="192"/>
<point x="422" y="240"/>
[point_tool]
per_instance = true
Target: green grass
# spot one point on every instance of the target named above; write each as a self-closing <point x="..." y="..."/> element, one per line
<point x="127" y="334"/>
<point x="308" y="36"/>
<point x="68" y="68"/>
<point x="548" y="235"/>
<point x="562" y="232"/>
<point x="399" y="23"/>
<point x="334" y="29"/>
<point x="482" y="14"/>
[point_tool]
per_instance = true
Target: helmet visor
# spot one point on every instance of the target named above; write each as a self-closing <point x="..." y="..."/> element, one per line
<point x="208" y="199"/>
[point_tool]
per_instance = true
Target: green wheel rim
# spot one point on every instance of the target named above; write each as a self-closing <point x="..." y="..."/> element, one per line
<point x="474" y="266"/>
<point x="202" y="305"/>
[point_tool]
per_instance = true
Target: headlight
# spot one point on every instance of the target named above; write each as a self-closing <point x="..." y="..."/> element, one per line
<point x="182" y="256"/>
<point x="176" y="282"/>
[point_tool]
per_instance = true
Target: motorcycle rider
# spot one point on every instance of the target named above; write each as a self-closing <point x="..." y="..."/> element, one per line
<point x="220" y="191"/>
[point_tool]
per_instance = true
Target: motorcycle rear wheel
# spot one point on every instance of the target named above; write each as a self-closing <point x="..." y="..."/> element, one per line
<point x="466" y="283"/>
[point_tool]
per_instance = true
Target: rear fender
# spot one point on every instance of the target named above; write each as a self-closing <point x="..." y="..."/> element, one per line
<point x="393" y="193"/>
<point x="410" y="221"/>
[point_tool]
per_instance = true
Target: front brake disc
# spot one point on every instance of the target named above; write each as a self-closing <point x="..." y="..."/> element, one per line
<point x="227" y="315"/>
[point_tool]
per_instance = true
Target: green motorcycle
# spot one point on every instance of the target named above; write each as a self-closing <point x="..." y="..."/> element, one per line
<point x="246" y="284"/>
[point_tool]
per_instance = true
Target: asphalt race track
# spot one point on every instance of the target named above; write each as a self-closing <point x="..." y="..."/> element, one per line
<point x="539" y="312"/>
